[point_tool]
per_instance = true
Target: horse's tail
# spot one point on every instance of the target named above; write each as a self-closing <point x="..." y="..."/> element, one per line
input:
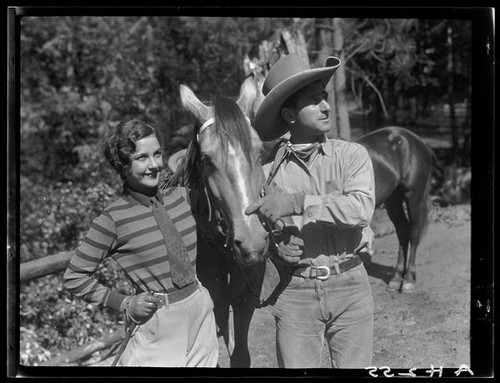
<point x="425" y="205"/>
<point x="410" y="139"/>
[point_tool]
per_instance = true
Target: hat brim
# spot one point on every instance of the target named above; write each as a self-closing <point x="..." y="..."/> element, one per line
<point x="268" y="122"/>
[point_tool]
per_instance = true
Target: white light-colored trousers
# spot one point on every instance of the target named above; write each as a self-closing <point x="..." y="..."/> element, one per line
<point x="180" y="334"/>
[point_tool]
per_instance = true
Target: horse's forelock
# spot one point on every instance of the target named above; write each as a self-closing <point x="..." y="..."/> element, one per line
<point x="231" y="126"/>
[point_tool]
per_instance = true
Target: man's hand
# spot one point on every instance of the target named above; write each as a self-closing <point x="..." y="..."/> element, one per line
<point x="277" y="205"/>
<point x="289" y="248"/>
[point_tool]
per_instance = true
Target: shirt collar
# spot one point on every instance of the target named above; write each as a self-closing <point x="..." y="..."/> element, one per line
<point x="141" y="197"/>
<point x="322" y="141"/>
<point x="307" y="153"/>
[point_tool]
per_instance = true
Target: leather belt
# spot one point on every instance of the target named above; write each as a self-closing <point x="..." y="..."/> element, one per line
<point x="177" y="295"/>
<point x="324" y="272"/>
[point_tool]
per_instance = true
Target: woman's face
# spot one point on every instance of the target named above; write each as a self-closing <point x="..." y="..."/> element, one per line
<point x="147" y="163"/>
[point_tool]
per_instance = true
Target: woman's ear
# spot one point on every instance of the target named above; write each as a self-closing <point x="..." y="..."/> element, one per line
<point x="288" y="115"/>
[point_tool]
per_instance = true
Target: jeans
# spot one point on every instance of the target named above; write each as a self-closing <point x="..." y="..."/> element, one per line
<point x="339" y="310"/>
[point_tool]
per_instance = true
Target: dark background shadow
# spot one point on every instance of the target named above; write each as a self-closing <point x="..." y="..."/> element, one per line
<point x="376" y="270"/>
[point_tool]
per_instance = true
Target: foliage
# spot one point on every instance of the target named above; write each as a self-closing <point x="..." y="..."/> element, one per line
<point x="54" y="218"/>
<point x="392" y="61"/>
<point x="52" y="321"/>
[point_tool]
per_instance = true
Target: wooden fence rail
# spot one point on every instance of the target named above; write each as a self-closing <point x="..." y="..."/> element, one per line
<point x="50" y="265"/>
<point x="44" y="266"/>
<point x="85" y="351"/>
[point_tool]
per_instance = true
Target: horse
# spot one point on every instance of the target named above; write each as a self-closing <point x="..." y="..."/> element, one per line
<point x="221" y="168"/>
<point x="402" y="165"/>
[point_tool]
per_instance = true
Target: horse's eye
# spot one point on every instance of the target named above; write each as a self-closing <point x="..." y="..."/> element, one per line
<point x="206" y="160"/>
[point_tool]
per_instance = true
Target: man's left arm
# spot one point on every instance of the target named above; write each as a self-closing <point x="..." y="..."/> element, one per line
<point x="355" y="206"/>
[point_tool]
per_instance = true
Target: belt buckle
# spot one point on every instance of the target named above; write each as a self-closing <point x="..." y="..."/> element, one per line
<point x="323" y="278"/>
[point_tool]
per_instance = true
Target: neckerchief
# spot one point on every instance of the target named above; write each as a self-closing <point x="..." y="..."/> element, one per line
<point x="303" y="152"/>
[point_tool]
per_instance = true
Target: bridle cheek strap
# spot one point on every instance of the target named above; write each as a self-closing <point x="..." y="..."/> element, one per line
<point x="207" y="123"/>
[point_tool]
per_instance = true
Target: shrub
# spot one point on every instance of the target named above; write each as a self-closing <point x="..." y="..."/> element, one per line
<point x="54" y="218"/>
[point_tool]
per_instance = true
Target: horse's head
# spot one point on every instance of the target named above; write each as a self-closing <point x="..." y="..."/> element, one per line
<point x="229" y="150"/>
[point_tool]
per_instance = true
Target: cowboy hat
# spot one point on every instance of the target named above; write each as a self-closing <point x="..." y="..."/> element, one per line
<point x="289" y="74"/>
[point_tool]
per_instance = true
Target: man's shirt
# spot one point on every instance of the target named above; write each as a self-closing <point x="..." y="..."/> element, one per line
<point x="340" y="199"/>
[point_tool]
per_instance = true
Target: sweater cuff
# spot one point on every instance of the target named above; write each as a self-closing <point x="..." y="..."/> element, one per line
<point x="114" y="300"/>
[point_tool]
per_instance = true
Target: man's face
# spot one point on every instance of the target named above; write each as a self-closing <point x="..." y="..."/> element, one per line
<point x="311" y="113"/>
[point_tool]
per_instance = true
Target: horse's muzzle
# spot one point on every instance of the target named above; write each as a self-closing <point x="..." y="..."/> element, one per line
<point x="248" y="253"/>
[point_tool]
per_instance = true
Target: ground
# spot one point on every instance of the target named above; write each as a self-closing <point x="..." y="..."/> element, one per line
<point x="427" y="327"/>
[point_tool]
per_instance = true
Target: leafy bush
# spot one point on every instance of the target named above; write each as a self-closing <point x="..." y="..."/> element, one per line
<point x="52" y="321"/>
<point x="55" y="217"/>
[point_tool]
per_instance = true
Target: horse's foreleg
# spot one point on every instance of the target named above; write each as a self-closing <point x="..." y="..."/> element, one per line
<point x="395" y="211"/>
<point x="242" y="286"/>
<point x="242" y="315"/>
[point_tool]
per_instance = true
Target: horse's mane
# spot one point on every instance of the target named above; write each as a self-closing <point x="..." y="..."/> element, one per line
<point x="230" y="127"/>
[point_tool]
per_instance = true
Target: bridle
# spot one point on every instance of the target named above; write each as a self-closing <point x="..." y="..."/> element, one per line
<point x="218" y="220"/>
<point x="221" y="223"/>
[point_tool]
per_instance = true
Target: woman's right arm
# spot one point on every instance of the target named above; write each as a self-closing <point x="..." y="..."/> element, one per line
<point x="78" y="278"/>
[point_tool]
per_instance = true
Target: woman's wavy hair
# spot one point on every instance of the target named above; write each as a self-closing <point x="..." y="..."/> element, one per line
<point x="120" y="145"/>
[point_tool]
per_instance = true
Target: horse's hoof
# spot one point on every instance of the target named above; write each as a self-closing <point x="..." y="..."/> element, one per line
<point x="408" y="287"/>
<point x="393" y="286"/>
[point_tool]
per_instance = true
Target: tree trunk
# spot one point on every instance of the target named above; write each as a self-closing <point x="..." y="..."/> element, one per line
<point x="325" y="42"/>
<point x="451" y="91"/>
<point x="295" y="44"/>
<point x="342" y="115"/>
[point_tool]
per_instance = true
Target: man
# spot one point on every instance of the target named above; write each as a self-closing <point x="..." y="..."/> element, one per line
<point x="324" y="197"/>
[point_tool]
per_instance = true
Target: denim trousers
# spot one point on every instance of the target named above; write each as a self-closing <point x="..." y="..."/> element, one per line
<point x="338" y="310"/>
<point x="182" y="334"/>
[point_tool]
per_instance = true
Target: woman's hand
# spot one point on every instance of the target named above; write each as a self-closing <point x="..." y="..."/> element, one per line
<point x="142" y="306"/>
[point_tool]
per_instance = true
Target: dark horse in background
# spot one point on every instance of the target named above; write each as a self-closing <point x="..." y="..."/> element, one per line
<point x="222" y="168"/>
<point x="402" y="163"/>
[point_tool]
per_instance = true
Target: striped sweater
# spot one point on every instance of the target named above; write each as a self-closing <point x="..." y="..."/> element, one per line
<point x="128" y="232"/>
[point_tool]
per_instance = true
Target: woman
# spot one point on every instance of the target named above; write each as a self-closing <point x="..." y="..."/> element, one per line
<point x="151" y="234"/>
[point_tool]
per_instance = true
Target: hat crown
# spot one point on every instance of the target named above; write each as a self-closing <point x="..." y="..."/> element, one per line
<point x="283" y="69"/>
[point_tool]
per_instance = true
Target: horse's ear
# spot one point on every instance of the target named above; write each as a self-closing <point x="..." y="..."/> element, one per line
<point x="193" y="105"/>
<point x="248" y="94"/>
<point x="175" y="159"/>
